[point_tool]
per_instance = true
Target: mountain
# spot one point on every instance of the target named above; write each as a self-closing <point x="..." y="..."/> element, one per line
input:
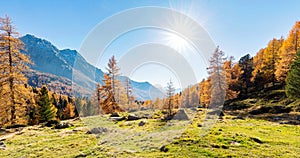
<point x="56" y="67"/>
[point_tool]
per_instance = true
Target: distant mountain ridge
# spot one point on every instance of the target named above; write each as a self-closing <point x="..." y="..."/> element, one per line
<point x="48" y="59"/>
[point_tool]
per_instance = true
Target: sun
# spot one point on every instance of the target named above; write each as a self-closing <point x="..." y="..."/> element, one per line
<point x="175" y="41"/>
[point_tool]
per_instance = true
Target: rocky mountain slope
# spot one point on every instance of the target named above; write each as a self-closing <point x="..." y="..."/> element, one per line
<point x="55" y="68"/>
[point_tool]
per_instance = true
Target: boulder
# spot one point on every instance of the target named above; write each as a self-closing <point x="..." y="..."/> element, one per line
<point x="181" y="115"/>
<point x="142" y="123"/>
<point x="63" y="125"/>
<point x="97" y="130"/>
<point x="2" y="146"/>
<point x="164" y="149"/>
<point x="115" y="114"/>
<point x="132" y="118"/>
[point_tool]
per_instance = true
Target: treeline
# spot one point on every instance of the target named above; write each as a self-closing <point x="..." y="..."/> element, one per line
<point x="274" y="67"/>
<point x="268" y="69"/>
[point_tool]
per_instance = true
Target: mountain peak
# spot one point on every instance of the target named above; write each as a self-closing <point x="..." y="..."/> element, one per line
<point x="32" y="41"/>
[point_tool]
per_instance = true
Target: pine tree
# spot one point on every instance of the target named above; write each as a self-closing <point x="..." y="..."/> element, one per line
<point x="246" y="64"/>
<point x="12" y="80"/>
<point x="293" y="79"/>
<point x="47" y="109"/>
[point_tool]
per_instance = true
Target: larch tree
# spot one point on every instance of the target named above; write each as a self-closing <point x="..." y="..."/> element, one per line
<point x="230" y="79"/>
<point x="170" y="94"/>
<point x="258" y="61"/>
<point x="69" y="111"/>
<point x="186" y="97"/>
<point x="218" y="78"/>
<point x="270" y="57"/>
<point x="111" y="88"/>
<point x="113" y="72"/>
<point x="205" y="92"/>
<point x="287" y="52"/>
<point x="158" y="104"/>
<point x="12" y="80"/>
<point x="293" y="79"/>
<point x="109" y="103"/>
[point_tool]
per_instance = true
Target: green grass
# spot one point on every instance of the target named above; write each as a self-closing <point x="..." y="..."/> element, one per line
<point x="228" y="138"/>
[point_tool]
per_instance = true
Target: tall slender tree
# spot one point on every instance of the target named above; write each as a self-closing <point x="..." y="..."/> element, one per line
<point x="170" y="94"/>
<point x="218" y="78"/>
<point x="12" y="65"/>
<point x="113" y="72"/>
<point x="47" y="109"/>
<point x="111" y="88"/>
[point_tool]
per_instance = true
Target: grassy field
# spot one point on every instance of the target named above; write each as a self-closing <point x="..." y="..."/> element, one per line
<point x="229" y="137"/>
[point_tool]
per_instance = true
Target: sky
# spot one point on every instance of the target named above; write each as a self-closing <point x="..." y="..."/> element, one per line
<point x="238" y="27"/>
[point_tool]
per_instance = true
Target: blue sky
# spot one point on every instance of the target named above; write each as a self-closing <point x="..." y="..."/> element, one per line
<point x="237" y="26"/>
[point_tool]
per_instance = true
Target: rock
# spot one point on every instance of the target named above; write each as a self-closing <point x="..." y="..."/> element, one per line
<point x="144" y="108"/>
<point x="164" y="149"/>
<point x="142" y="123"/>
<point x="97" y="130"/>
<point x="115" y="114"/>
<point x="235" y="143"/>
<point x="63" y="125"/>
<point x="181" y="115"/>
<point x="291" y="122"/>
<point x="257" y="140"/>
<point x="2" y="130"/>
<point x="225" y="147"/>
<point x="2" y="146"/>
<point x="199" y="125"/>
<point x="76" y="119"/>
<point x="132" y="118"/>
<point x="51" y="123"/>
<point x="117" y="118"/>
<point x="215" y="146"/>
